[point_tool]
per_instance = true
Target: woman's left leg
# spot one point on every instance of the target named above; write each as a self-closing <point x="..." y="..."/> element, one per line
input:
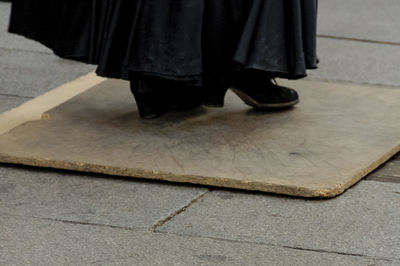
<point x="266" y="39"/>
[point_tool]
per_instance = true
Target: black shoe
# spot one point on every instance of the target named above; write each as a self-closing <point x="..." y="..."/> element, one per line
<point x="268" y="96"/>
<point x="265" y="95"/>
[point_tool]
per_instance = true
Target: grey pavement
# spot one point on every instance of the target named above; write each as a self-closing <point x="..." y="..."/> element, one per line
<point x="51" y="217"/>
<point x="358" y="62"/>
<point x="20" y="71"/>
<point x="48" y="242"/>
<point x="369" y="20"/>
<point x="10" y="101"/>
<point x="90" y="199"/>
<point x="351" y="223"/>
<point x="359" y="41"/>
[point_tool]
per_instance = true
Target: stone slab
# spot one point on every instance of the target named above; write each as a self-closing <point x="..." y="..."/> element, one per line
<point x="357" y="62"/>
<point x="364" y="221"/>
<point x="25" y="241"/>
<point x="90" y="199"/>
<point x="361" y="19"/>
<point x="318" y="149"/>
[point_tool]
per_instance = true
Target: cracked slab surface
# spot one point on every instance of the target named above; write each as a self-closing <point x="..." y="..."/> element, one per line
<point x="318" y="149"/>
<point x="363" y="221"/>
<point x="26" y="241"/>
<point x="88" y="199"/>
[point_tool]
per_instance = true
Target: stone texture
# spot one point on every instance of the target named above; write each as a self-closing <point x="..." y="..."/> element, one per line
<point x="363" y="63"/>
<point x="90" y="199"/>
<point x="364" y="220"/>
<point x="14" y="42"/>
<point x="31" y="74"/>
<point x="38" y="242"/>
<point x="296" y="152"/>
<point x="363" y="19"/>
<point x="9" y="102"/>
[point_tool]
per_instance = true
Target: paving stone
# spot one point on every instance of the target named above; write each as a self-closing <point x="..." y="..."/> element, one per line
<point x="90" y="199"/>
<point x="8" y="102"/>
<point x="364" y="19"/>
<point x="11" y="41"/>
<point x="37" y="242"/>
<point x="31" y="74"/>
<point x="390" y="172"/>
<point x="362" y="63"/>
<point x="364" y="220"/>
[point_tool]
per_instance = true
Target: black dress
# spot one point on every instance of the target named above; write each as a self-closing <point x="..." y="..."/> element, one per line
<point x="187" y="41"/>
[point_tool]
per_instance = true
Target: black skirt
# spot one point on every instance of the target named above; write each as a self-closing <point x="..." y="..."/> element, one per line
<point x="181" y="40"/>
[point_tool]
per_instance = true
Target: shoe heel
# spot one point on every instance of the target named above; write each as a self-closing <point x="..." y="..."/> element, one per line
<point x="149" y="104"/>
<point x="215" y="97"/>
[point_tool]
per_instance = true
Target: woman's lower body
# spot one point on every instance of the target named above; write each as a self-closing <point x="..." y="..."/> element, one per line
<point x="179" y="54"/>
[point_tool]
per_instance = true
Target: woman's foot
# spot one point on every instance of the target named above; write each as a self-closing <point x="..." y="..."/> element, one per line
<point x="267" y="95"/>
<point x="255" y="90"/>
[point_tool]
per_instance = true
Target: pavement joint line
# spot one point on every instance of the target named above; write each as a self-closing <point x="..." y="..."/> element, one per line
<point x="73" y="222"/>
<point x="343" y="81"/>
<point x="388" y="259"/>
<point x="327" y="36"/>
<point x="179" y="211"/>
<point x="378" y="175"/>
<point x="25" y="50"/>
<point x="383" y="179"/>
<point x="16" y="96"/>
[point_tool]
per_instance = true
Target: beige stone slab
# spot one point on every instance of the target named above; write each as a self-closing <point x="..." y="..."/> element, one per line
<point x="337" y="135"/>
